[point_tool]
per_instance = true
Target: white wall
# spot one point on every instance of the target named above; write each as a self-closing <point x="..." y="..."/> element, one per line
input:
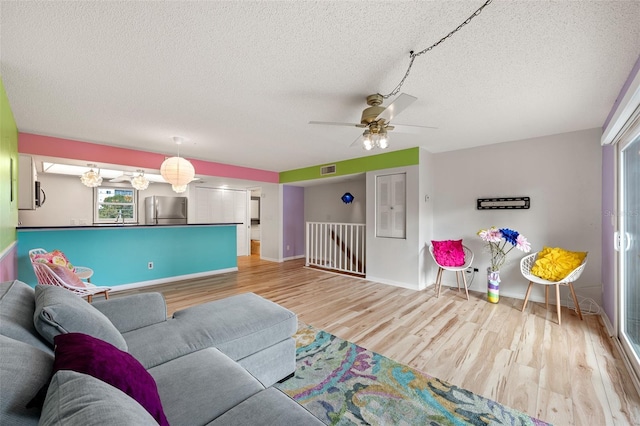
<point x="69" y="202"/>
<point x="322" y="203"/>
<point x="562" y="175"/>
<point x="427" y="268"/>
<point x="392" y="260"/>
<point x="271" y="222"/>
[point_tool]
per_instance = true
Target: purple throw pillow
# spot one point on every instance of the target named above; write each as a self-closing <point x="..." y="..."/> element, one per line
<point x="448" y="252"/>
<point x="86" y="354"/>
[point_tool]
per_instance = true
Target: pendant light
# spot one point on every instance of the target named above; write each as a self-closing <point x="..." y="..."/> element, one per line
<point x="140" y="182"/>
<point x="176" y="170"/>
<point x="91" y="178"/>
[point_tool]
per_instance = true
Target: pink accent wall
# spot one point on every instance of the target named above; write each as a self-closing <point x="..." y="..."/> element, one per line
<point x="65" y="148"/>
<point x="9" y="265"/>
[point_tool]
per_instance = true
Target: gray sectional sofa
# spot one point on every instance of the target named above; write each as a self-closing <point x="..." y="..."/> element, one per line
<point x="213" y="364"/>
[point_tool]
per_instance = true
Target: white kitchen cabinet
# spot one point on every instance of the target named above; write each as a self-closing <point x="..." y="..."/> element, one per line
<point x="217" y="205"/>
<point x="27" y="177"/>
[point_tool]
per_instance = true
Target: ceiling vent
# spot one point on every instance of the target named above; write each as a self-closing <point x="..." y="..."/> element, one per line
<point x="328" y="170"/>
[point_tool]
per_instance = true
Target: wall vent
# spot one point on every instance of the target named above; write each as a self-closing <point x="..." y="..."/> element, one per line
<point x="328" y="170"/>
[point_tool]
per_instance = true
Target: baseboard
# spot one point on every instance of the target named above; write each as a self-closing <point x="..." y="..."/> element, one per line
<point x="393" y="283"/>
<point x="610" y="329"/>
<point x="170" y="279"/>
<point x="268" y="259"/>
<point x="7" y="250"/>
<point x="634" y="377"/>
<point x="328" y="271"/>
<point x="300" y="256"/>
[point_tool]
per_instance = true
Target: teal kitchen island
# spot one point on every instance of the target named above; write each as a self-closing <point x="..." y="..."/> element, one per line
<point x="129" y="256"/>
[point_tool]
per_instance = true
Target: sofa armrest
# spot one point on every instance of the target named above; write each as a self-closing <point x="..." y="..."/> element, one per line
<point x="132" y="312"/>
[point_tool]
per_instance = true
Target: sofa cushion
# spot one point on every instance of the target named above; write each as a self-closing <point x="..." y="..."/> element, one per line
<point x="270" y="407"/>
<point x="197" y="388"/>
<point x="24" y="369"/>
<point x="79" y="399"/>
<point x="60" y="311"/>
<point x="88" y="355"/>
<point x="238" y="326"/>
<point x="17" y="305"/>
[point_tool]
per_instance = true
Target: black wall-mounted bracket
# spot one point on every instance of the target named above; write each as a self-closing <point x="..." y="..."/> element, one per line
<point x="506" y="203"/>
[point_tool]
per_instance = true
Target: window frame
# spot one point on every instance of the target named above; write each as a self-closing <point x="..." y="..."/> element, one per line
<point x="96" y="204"/>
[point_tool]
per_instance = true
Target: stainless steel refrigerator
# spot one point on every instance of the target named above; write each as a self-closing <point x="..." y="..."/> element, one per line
<point x="165" y="210"/>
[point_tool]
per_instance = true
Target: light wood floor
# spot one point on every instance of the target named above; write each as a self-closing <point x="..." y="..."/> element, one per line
<point x="568" y="375"/>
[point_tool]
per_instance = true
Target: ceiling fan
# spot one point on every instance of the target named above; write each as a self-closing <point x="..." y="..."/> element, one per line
<point x="376" y="120"/>
<point x="124" y="177"/>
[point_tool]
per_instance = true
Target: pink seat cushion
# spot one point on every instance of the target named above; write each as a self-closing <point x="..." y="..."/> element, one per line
<point x="448" y="252"/>
<point x="67" y="275"/>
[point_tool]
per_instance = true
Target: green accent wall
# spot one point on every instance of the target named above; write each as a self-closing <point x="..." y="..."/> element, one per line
<point x="403" y="158"/>
<point x="8" y="172"/>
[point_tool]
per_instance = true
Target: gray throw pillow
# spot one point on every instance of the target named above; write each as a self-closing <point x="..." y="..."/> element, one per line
<point x="79" y="399"/>
<point x="60" y="311"/>
<point x="24" y="369"/>
<point x="17" y="305"/>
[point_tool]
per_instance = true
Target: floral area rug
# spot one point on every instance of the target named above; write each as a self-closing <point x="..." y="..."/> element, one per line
<point x="342" y="383"/>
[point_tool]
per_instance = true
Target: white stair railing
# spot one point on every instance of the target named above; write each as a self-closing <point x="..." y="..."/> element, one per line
<point x="336" y="246"/>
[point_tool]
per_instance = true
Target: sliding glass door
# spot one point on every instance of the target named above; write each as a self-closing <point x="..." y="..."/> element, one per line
<point x="629" y="247"/>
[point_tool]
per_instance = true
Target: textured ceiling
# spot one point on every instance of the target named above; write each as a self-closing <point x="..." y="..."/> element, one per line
<point x="241" y="80"/>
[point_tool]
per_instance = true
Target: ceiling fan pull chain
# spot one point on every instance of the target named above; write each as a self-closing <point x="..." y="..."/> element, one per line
<point x="415" y="55"/>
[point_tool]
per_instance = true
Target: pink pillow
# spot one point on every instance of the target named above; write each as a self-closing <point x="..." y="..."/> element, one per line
<point x="55" y="257"/>
<point x="448" y="252"/>
<point x="67" y="275"/>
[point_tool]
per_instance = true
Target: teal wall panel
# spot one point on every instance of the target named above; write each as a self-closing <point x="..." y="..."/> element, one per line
<point x="119" y="255"/>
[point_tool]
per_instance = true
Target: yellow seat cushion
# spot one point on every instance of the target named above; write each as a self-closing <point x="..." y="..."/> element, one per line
<point x="555" y="263"/>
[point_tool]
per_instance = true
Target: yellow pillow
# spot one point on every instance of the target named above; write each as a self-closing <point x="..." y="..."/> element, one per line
<point x="553" y="264"/>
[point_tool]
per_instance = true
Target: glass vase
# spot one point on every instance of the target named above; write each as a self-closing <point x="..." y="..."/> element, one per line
<point x="493" y="286"/>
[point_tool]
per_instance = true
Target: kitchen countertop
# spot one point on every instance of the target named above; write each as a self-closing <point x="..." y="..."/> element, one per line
<point x="126" y="225"/>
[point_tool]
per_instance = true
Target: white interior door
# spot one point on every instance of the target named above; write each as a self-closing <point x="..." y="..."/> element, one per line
<point x="629" y="247"/>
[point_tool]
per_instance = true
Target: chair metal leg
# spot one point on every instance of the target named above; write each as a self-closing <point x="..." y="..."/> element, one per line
<point x="526" y="298"/>
<point x="558" y="303"/>
<point x="89" y="298"/>
<point x="458" y="281"/>
<point x="438" y="282"/>
<point x="106" y="295"/>
<point x="575" y="301"/>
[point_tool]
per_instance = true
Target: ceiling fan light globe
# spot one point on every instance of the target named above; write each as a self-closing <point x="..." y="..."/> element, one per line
<point x="383" y="143"/>
<point x="367" y="144"/>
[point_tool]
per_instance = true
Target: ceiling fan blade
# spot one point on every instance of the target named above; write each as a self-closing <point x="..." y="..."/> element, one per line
<point x="396" y="107"/>
<point x="121" y="178"/>
<point x="411" y="129"/>
<point x="333" y="123"/>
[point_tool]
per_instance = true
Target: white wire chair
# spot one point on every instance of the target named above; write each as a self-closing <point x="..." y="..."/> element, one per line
<point x="82" y="272"/>
<point x="527" y="263"/>
<point x="468" y="259"/>
<point x="47" y="276"/>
